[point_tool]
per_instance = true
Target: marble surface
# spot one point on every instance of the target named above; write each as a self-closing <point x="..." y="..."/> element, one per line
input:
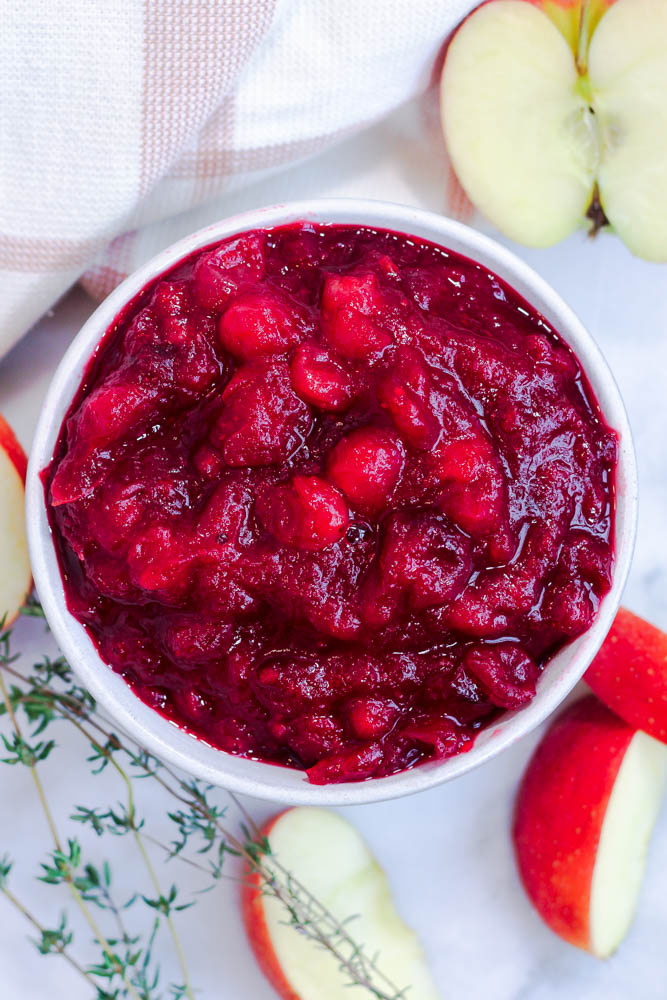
<point x="447" y="851"/>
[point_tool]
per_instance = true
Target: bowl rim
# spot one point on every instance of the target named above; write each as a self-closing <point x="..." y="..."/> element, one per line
<point x="257" y="778"/>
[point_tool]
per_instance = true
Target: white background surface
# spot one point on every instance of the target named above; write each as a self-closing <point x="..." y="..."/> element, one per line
<point x="447" y="851"/>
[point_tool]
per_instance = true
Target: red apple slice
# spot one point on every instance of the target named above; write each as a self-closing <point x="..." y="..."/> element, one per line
<point x="629" y="674"/>
<point x="585" y="810"/>
<point x="329" y="857"/>
<point x="15" y="578"/>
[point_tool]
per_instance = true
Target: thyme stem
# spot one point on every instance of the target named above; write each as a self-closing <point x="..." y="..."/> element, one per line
<point x="101" y="939"/>
<point x="138" y="839"/>
<point x="33" y="770"/>
<point x="170" y="923"/>
<point x="60" y="949"/>
<point x="99" y="936"/>
<point x="307" y="914"/>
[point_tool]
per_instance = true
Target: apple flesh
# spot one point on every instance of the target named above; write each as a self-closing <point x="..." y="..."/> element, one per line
<point x="629" y="674"/>
<point x="15" y="578"/>
<point x="328" y="856"/>
<point x="519" y="135"/>
<point x="548" y="112"/>
<point x="627" y="66"/>
<point x="586" y="807"/>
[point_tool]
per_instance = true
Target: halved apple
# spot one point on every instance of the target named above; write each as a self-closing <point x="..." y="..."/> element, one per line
<point x="329" y="857"/>
<point x="629" y="674"/>
<point x="15" y="577"/>
<point x="586" y="807"/>
<point x="555" y="111"/>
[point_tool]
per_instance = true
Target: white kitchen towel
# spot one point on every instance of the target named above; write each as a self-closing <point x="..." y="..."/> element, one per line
<point x="117" y="114"/>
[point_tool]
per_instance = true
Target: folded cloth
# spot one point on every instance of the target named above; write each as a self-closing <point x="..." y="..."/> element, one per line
<point x="114" y="116"/>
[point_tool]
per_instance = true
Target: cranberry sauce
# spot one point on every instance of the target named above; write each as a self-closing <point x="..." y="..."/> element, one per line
<point x="331" y="497"/>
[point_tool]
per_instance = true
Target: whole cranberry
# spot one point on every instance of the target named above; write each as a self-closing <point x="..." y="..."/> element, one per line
<point x="351" y="310"/>
<point x="258" y="324"/>
<point x="307" y="512"/>
<point x="366" y="466"/>
<point x="321" y="379"/>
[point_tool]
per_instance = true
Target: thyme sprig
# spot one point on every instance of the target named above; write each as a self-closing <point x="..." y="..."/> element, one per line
<point x="203" y="839"/>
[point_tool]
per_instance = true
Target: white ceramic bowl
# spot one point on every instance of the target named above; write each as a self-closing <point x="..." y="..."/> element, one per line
<point x="269" y="781"/>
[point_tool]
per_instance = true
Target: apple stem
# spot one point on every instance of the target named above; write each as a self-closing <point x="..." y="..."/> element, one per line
<point x="583" y="37"/>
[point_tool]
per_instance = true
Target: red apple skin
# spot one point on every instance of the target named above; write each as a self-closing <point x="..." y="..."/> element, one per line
<point x="560" y="809"/>
<point x="10" y="445"/>
<point x="18" y="458"/>
<point x="565" y="14"/>
<point x="629" y="674"/>
<point x="252" y="911"/>
<point x="598" y="6"/>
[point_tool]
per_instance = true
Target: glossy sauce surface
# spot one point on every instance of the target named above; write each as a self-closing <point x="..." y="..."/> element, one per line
<point x="331" y="497"/>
